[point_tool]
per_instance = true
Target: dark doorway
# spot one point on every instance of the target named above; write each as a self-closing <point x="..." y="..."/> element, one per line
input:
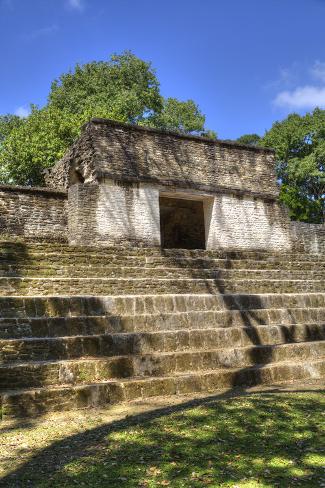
<point x="181" y="223"/>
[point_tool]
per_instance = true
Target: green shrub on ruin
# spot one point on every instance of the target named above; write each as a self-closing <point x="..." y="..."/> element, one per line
<point x="124" y="88"/>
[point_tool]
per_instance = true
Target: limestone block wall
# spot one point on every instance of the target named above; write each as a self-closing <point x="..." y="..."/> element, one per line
<point x="110" y="149"/>
<point x="113" y="213"/>
<point x="243" y="222"/>
<point x="76" y="166"/>
<point x="309" y="237"/>
<point x="37" y="213"/>
<point x="179" y="160"/>
<point x="119" y="214"/>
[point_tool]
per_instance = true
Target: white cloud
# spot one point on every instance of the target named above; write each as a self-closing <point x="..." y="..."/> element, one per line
<point x="75" y="4"/>
<point x="318" y="70"/>
<point x="287" y="77"/>
<point x="308" y="94"/>
<point x="302" y="97"/>
<point x="22" y="111"/>
<point x="43" y="31"/>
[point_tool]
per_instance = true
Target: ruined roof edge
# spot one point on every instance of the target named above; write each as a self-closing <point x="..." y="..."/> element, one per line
<point x="153" y="130"/>
<point x="34" y="189"/>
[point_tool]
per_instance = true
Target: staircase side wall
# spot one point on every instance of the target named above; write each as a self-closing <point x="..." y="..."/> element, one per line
<point x="33" y="213"/>
<point x="309" y="238"/>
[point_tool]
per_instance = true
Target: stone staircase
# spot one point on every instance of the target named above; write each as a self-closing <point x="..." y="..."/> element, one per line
<point x="83" y="327"/>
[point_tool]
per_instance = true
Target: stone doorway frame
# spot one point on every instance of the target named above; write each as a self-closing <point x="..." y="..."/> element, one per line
<point x="206" y="199"/>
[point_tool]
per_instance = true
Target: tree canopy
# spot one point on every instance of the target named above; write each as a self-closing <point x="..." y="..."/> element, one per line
<point x="39" y="141"/>
<point x="124" y="88"/>
<point x="299" y="143"/>
<point x="7" y="124"/>
<point x="249" y="139"/>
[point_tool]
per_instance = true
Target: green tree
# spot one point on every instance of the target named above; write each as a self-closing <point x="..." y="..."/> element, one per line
<point x="249" y="139"/>
<point x="36" y="143"/>
<point x="8" y="123"/>
<point x="184" y="117"/>
<point x="124" y="88"/>
<point x="299" y="143"/>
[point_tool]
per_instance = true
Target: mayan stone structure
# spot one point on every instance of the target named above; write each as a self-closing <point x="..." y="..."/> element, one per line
<point x="154" y="263"/>
<point x="122" y="180"/>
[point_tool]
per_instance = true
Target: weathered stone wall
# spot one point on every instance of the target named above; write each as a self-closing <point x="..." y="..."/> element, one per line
<point x="235" y="222"/>
<point x="108" y="149"/>
<point x="76" y="166"/>
<point x="33" y="212"/>
<point x="114" y="214"/>
<point x="116" y="173"/>
<point x="309" y="237"/>
<point x="125" y="168"/>
<point x="188" y="162"/>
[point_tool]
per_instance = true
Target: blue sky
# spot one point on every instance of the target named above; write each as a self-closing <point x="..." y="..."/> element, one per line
<point x="246" y="63"/>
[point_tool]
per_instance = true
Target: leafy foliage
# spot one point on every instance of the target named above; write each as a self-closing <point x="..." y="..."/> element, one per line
<point x="299" y="142"/>
<point x="124" y="88"/>
<point x="249" y="139"/>
<point x="8" y="123"/>
<point x="184" y="117"/>
<point x="36" y="143"/>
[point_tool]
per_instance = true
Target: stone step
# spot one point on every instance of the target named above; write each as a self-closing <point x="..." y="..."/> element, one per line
<point x="72" y="347"/>
<point x="245" y="263"/>
<point x="99" y="272"/>
<point x="104" y="286"/>
<point x="15" y="328"/>
<point x="86" y="261"/>
<point x="45" y="373"/>
<point x="31" y="402"/>
<point x="23" y="249"/>
<point x="135" y="305"/>
<point x="214" y="319"/>
<point x="67" y="260"/>
<point x="91" y="326"/>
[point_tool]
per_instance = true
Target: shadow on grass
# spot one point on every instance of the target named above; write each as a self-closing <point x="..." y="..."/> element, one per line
<point x="233" y="439"/>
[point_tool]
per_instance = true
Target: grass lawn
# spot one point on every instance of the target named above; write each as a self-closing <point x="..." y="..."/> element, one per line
<point x="245" y="441"/>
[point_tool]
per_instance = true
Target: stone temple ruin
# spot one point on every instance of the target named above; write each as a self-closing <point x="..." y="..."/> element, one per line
<point x="151" y="264"/>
